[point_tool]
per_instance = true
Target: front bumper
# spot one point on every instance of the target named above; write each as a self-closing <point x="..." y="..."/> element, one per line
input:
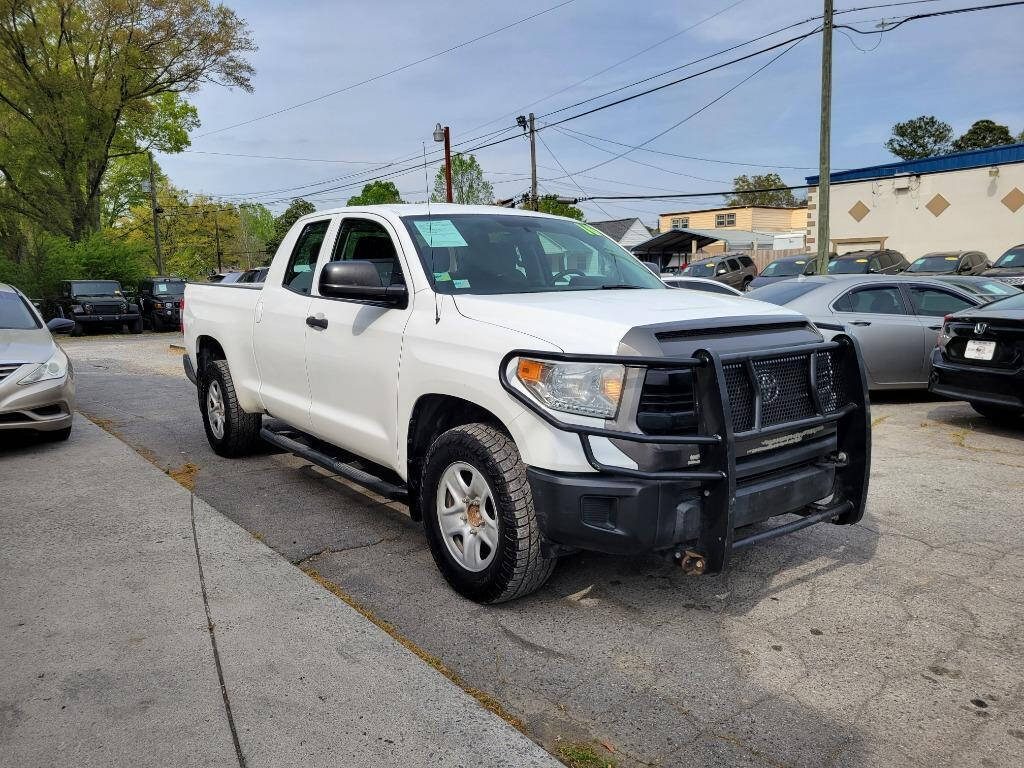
<point x="976" y="383"/>
<point x="816" y="468"/>
<point x="42" y="407"/>
<point x="109" y="319"/>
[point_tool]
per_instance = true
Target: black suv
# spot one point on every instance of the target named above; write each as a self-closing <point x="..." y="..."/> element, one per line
<point x="886" y="262"/>
<point x="1009" y="267"/>
<point x="94" y="304"/>
<point x="950" y="263"/>
<point x="160" y="302"/>
<point x="735" y="269"/>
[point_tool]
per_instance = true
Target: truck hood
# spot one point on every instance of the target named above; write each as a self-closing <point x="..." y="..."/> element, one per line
<point x="594" y="322"/>
<point x="31" y="346"/>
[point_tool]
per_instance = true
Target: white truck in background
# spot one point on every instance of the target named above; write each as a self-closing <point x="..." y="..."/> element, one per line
<point x="532" y="390"/>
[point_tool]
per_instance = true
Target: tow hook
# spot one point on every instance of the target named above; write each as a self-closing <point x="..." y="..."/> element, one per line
<point x="691" y="562"/>
<point x="837" y="459"/>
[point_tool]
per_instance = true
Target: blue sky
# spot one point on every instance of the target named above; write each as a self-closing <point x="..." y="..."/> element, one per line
<point x="960" y="69"/>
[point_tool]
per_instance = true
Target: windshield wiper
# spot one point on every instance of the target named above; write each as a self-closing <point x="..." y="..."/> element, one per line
<point x="623" y="285"/>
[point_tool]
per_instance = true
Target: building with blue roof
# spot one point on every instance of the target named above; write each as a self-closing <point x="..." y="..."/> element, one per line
<point x="963" y="201"/>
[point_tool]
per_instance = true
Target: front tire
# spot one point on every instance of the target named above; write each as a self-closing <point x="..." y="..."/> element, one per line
<point x="997" y="412"/>
<point x="230" y="431"/>
<point x="479" y="516"/>
<point x="135" y="326"/>
<point x="78" y="330"/>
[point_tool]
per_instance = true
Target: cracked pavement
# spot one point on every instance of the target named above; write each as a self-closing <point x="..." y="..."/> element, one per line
<point x="897" y="641"/>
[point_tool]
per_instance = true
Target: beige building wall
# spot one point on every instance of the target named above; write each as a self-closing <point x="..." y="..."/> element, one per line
<point x="750" y="218"/>
<point x="970" y="209"/>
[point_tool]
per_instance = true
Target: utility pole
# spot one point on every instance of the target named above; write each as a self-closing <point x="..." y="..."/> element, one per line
<point x="443" y="134"/>
<point x="157" y="210"/>
<point x="533" y="164"/>
<point x="216" y="236"/>
<point x="825" y="141"/>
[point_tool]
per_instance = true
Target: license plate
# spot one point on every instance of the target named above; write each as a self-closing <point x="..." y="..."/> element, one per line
<point x="980" y="350"/>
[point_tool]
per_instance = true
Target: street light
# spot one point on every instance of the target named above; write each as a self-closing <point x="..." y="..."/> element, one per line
<point x="442" y="134"/>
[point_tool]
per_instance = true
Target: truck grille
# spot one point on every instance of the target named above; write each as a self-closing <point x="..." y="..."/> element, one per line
<point x="668" y="406"/>
<point x="106" y="309"/>
<point x="6" y="369"/>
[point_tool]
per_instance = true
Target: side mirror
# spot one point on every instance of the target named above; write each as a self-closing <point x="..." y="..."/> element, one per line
<point x="61" y="325"/>
<point x="359" y="281"/>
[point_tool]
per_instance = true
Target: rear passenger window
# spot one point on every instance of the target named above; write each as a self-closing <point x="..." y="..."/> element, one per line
<point x="935" y="303"/>
<point x="298" y="276"/>
<point x="746" y="261"/>
<point x="733" y="265"/>
<point x="873" y="301"/>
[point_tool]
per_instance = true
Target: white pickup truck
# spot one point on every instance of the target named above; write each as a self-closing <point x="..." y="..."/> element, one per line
<point x="532" y="390"/>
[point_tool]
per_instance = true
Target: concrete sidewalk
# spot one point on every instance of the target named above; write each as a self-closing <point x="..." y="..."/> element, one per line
<point x="106" y="657"/>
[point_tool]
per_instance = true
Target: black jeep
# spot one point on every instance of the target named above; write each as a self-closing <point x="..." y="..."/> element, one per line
<point x="97" y="304"/>
<point x="160" y="302"/>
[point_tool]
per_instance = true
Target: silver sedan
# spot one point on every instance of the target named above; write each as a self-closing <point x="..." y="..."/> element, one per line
<point x="37" y="387"/>
<point x="896" y="319"/>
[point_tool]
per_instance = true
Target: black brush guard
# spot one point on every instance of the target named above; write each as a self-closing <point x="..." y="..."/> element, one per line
<point x="716" y="439"/>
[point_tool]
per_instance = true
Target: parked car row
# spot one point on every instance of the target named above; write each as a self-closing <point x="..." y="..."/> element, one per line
<point x="739" y="271"/>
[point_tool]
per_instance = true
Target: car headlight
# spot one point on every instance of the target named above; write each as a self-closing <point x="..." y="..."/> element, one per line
<point x="158" y="305"/>
<point x="588" y="389"/>
<point x="56" y="367"/>
<point x="124" y="308"/>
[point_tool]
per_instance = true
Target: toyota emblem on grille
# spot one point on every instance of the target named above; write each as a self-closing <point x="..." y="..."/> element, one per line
<point x="770" y="390"/>
<point x="980" y="328"/>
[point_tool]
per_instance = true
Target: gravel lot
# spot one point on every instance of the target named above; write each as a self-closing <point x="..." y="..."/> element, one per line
<point x="896" y="642"/>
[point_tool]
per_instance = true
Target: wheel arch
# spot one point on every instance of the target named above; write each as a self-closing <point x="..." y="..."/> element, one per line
<point x="432" y="415"/>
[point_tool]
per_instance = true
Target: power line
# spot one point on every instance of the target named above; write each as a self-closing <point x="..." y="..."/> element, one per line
<point x="563" y="129"/>
<point x="559" y="163"/>
<point x="686" y="195"/>
<point x="522" y="110"/>
<point x="932" y="14"/>
<point x="389" y="72"/>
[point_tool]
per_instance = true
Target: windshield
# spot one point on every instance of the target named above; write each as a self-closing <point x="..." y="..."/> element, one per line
<point x="856" y="266"/>
<point x="1013" y="302"/>
<point x="783" y="292"/>
<point x="96" y="288"/>
<point x="170" y="287"/>
<point x="15" y="314"/>
<point x="707" y="269"/>
<point x="502" y="253"/>
<point x="785" y="268"/>
<point x="1012" y="258"/>
<point x="938" y="263"/>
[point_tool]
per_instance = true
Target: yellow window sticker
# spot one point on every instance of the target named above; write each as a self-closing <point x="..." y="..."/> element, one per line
<point x="862" y="261"/>
<point x="587" y="228"/>
<point x="799" y="262"/>
<point x="952" y="258"/>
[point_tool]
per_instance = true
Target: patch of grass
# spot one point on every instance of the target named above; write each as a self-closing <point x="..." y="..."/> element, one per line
<point x="185" y="475"/>
<point x="581" y="755"/>
<point x="485" y="700"/>
<point x="879" y="420"/>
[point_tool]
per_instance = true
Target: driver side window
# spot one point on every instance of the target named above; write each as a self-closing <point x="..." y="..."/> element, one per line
<point x="367" y="240"/>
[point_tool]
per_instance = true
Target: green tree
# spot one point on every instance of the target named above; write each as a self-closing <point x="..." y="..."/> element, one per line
<point x="551" y="204"/>
<point x="983" y="134"/>
<point x="468" y="184"/>
<point x="85" y="81"/>
<point x="295" y="211"/>
<point x="257" y="229"/>
<point x="924" y="136"/>
<point x="783" y="198"/>
<point x="377" y="193"/>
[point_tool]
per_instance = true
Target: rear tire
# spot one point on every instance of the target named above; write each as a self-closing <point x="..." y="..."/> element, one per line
<point x="231" y="431"/>
<point x="493" y="474"/>
<point x="156" y="324"/>
<point x="997" y="412"/>
<point x="746" y="284"/>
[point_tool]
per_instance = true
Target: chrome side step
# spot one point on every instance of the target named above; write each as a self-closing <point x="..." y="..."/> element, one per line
<point x="289" y="443"/>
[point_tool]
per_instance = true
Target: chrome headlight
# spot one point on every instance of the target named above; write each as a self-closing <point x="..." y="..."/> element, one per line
<point x="588" y="389"/>
<point x="87" y="308"/>
<point x="56" y="367"/>
<point x="158" y="305"/>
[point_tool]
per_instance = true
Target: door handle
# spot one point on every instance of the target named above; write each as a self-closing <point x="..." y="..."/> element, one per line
<point x="934" y="327"/>
<point x="860" y="322"/>
<point x="316" y="322"/>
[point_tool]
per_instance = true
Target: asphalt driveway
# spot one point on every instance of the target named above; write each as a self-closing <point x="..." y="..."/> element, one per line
<point x="898" y="641"/>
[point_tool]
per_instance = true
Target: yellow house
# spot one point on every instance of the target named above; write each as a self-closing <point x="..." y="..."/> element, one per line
<point x="751" y="218"/>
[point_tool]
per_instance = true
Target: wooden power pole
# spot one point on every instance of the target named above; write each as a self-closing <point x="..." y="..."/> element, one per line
<point x="156" y="213"/>
<point x="825" y="141"/>
<point x="534" y="202"/>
